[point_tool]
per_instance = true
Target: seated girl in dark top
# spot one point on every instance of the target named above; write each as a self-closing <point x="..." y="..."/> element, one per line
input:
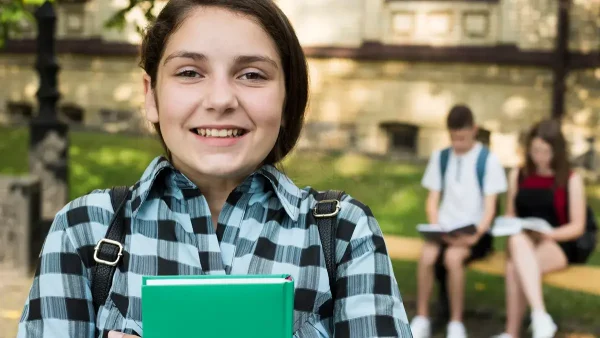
<point x="544" y="188"/>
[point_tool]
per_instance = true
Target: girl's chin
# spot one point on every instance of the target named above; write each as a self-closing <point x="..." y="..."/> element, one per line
<point x="219" y="166"/>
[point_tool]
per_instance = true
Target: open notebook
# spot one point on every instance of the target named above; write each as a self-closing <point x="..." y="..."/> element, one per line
<point x="223" y="306"/>
<point x="507" y="226"/>
<point x="435" y="232"/>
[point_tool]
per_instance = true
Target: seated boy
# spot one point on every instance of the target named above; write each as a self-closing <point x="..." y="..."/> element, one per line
<point x="467" y="197"/>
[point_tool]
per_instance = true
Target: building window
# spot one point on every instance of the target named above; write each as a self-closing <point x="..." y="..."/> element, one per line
<point x="114" y="116"/>
<point x="72" y="113"/>
<point x="403" y="23"/>
<point x="476" y="24"/>
<point x="72" y="17"/>
<point x="439" y="23"/>
<point x="402" y="137"/>
<point x="19" y="111"/>
<point x="74" y="22"/>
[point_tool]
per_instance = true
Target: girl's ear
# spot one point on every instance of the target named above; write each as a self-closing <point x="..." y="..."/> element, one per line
<point x="150" y="100"/>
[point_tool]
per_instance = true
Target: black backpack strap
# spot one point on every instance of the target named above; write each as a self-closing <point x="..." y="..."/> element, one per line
<point x="325" y="212"/>
<point x="108" y="251"/>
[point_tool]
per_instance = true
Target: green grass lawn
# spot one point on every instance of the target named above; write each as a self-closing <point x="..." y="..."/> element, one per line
<point x="391" y="189"/>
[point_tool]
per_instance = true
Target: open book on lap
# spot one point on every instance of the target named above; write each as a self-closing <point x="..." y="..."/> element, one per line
<point x="507" y="226"/>
<point x="435" y="232"/>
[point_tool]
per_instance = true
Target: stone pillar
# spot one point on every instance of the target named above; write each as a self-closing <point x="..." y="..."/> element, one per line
<point x="49" y="143"/>
<point x="561" y="53"/>
<point x="20" y="240"/>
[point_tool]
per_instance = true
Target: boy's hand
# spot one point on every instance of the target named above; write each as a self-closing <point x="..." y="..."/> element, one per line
<point x="462" y="240"/>
<point x="115" y="334"/>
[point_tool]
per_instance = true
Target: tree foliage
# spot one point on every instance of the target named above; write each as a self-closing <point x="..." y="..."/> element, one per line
<point x="12" y="14"/>
<point x="15" y="13"/>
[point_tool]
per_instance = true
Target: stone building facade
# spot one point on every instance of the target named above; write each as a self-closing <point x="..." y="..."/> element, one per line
<point x="383" y="72"/>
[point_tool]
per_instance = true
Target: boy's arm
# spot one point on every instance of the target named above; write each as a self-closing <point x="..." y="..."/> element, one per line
<point x="432" y="206"/>
<point x="432" y="181"/>
<point x="489" y="212"/>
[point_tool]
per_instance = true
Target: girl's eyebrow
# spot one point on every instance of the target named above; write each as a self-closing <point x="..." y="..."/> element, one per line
<point x="245" y="59"/>
<point x="186" y="55"/>
<point x="240" y="59"/>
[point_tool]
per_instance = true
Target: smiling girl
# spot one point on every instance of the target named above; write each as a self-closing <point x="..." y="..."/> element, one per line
<point x="226" y="88"/>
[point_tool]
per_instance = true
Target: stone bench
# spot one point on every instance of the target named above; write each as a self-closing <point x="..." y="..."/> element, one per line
<point x="583" y="278"/>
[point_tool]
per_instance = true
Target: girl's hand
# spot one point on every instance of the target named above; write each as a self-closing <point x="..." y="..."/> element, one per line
<point x="540" y="236"/>
<point x="549" y="235"/>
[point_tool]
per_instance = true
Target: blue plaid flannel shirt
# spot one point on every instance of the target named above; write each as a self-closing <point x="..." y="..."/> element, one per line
<point x="262" y="229"/>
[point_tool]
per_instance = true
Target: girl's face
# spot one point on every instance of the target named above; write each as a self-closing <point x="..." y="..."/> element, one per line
<point x="541" y="153"/>
<point x="219" y="95"/>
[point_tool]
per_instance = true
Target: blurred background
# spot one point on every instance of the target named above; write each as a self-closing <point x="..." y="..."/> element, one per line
<point x="384" y="74"/>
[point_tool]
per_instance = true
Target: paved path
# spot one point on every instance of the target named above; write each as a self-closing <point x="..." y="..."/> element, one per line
<point x="13" y="292"/>
<point x="577" y="278"/>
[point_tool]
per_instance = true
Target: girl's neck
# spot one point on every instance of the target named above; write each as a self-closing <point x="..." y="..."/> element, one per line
<point x="216" y="190"/>
<point x="215" y="198"/>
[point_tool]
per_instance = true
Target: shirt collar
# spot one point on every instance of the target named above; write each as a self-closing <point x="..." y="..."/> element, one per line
<point x="288" y="193"/>
<point x="266" y="177"/>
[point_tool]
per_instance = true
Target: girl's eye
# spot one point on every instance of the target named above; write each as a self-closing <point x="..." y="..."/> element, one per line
<point x="188" y="73"/>
<point x="253" y="76"/>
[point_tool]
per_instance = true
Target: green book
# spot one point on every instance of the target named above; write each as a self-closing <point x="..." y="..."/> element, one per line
<point x="223" y="306"/>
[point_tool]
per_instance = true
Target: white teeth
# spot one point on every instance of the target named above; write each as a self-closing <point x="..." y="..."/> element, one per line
<point x="219" y="132"/>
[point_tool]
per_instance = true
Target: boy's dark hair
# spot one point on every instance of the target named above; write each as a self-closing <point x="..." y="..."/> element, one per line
<point x="460" y="117"/>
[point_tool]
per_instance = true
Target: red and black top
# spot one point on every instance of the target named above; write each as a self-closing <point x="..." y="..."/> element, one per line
<point x="539" y="197"/>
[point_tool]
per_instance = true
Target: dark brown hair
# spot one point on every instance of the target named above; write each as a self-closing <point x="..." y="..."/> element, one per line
<point x="550" y="132"/>
<point x="460" y="117"/>
<point x="276" y="24"/>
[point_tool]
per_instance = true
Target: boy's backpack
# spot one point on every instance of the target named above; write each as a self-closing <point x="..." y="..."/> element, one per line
<point x="108" y="251"/>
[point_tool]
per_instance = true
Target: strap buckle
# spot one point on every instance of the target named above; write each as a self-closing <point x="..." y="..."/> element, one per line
<point x="111" y="242"/>
<point x="331" y="214"/>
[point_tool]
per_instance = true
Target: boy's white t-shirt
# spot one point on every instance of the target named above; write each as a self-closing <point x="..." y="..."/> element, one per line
<point x="462" y="202"/>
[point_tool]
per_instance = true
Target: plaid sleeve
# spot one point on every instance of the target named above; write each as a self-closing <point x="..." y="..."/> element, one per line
<point x="60" y="300"/>
<point x="368" y="301"/>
